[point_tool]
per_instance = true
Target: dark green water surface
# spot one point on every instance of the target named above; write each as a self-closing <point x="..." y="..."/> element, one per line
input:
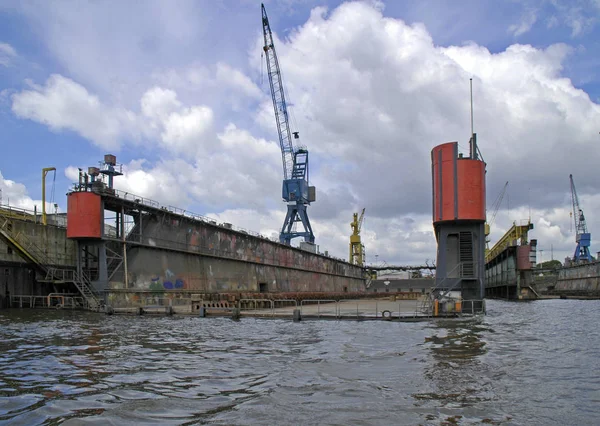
<point x="532" y="363"/>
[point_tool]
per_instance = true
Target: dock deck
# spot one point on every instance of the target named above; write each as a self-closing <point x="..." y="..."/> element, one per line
<point x="359" y="309"/>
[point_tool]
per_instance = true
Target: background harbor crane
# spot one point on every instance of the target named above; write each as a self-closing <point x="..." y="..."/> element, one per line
<point x="296" y="190"/>
<point x="357" y="249"/>
<point x="582" y="237"/>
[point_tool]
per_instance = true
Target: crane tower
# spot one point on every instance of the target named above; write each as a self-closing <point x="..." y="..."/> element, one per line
<point x="296" y="190"/>
<point x="582" y="237"/>
<point x="357" y="249"/>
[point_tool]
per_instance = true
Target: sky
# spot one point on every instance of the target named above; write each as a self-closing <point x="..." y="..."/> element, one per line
<point x="178" y="92"/>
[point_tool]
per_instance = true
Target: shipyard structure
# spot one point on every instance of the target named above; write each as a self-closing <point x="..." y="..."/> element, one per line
<point x="116" y="249"/>
<point x="458" y="219"/>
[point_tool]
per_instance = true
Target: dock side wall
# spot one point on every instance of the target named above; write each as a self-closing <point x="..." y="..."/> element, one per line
<point x="580" y="279"/>
<point x="51" y="240"/>
<point x="181" y="256"/>
<point x="17" y="276"/>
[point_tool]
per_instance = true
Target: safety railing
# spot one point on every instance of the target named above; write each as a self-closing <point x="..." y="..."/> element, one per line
<point x="136" y="198"/>
<point x="257" y="304"/>
<point x="17" y="213"/>
<point x="188" y="214"/>
<point x="285" y="303"/>
<point x="60" y="274"/>
<point x="473" y="307"/>
<point x="379" y="309"/>
<point x="53" y="300"/>
<point x="323" y="306"/>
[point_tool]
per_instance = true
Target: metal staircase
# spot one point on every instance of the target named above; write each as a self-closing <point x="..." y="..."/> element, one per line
<point x="427" y="305"/>
<point x="84" y="286"/>
<point x="32" y="253"/>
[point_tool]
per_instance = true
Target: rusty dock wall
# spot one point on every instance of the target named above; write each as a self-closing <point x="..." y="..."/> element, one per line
<point x="181" y="257"/>
<point x="579" y="280"/>
<point x="168" y="255"/>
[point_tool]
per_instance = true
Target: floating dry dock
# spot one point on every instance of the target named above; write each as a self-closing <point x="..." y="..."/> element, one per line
<point x="348" y="309"/>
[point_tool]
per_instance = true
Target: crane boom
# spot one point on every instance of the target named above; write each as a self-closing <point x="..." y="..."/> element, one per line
<point x="495" y="208"/>
<point x="497" y="203"/>
<point x="360" y="221"/>
<point x="582" y="236"/>
<point x="278" y="95"/>
<point x="295" y="190"/>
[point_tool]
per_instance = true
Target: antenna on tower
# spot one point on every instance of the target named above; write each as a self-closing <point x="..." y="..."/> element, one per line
<point x="471" y="87"/>
<point x="529" y="202"/>
<point x="473" y="140"/>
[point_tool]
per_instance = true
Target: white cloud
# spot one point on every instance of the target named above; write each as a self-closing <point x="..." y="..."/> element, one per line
<point x="62" y="104"/>
<point x="7" y="54"/>
<point x="236" y="79"/>
<point x="158" y="103"/>
<point x="527" y="22"/>
<point x="581" y="16"/>
<point x="239" y="170"/>
<point x="183" y="130"/>
<point x="372" y="96"/>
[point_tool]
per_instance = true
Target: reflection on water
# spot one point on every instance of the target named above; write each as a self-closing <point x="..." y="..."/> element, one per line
<point x="528" y="364"/>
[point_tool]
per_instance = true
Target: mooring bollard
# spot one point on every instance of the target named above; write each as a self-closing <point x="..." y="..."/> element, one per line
<point x="140" y="311"/>
<point x="169" y="310"/>
<point x="109" y="310"/>
<point x="235" y="313"/>
<point x="297" y="315"/>
<point x="202" y="312"/>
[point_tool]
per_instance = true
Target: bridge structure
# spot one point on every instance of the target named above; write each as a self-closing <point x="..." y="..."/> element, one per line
<point x="400" y="267"/>
<point x="509" y="265"/>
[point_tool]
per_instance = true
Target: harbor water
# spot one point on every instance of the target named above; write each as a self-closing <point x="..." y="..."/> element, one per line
<point x="530" y="363"/>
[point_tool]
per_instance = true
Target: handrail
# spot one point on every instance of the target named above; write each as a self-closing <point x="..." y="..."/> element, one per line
<point x="182" y="212"/>
<point x="19" y="213"/>
<point x="312" y="301"/>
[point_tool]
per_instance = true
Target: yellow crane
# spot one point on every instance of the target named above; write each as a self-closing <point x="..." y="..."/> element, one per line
<point x="357" y="249"/>
<point x="44" y="173"/>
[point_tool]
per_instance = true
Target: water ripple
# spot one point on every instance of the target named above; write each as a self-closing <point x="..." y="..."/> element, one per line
<point x="532" y="363"/>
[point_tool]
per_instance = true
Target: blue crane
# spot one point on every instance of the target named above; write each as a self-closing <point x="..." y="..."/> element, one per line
<point x="296" y="190"/>
<point x="582" y="237"/>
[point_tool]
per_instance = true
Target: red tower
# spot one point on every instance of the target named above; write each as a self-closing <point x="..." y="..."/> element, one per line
<point x="459" y="219"/>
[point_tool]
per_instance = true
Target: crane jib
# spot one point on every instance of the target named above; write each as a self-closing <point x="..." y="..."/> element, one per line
<point x="295" y="189"/>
